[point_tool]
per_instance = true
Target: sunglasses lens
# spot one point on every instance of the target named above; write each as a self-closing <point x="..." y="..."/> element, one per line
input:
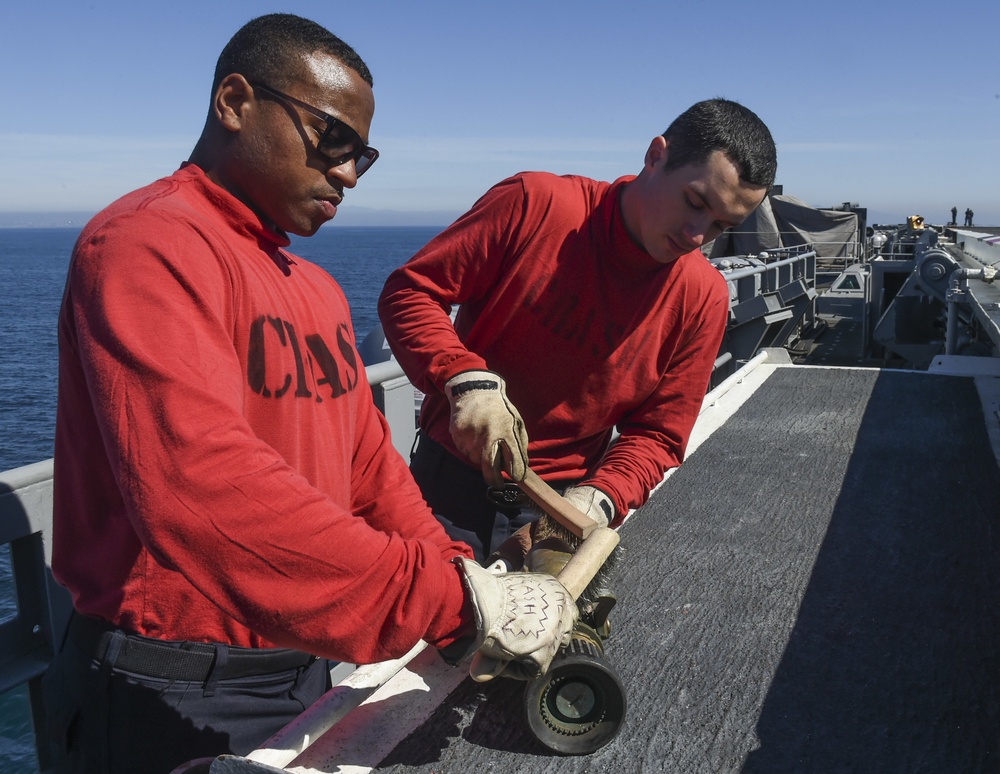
<point x="341" y="145"/>
<point x="362" y="162"/>
<point x="340" y="142"/>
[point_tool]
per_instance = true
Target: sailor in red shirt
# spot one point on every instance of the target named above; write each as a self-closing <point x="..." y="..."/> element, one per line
<point x="582" y="306"/>
<point x="228" y="503"/>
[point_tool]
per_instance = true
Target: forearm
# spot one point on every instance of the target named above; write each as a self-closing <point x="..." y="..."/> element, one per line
<point x="386" y="496"/>
<point x="630" y="470"/>
<point x="460" y="267"/>
<point x="416" y="321"/>
<point x="277" y="555"/>
<point x="654" y="436"/>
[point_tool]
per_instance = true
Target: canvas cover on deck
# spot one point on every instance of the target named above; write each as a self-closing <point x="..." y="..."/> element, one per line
<point x="784" y="221"/>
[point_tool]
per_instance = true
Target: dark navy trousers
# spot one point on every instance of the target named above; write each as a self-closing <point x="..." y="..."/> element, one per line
<point x="106" y="720"/>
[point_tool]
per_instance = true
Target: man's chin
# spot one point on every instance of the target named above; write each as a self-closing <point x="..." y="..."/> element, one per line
<point x="307" y="228"/>
<point x="310" y="231"/>
<point x="667" y="251"/>
<point x="666" y="255"/>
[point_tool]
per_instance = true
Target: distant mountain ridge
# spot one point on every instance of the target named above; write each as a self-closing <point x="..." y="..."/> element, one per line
<point x="353" y="216"/>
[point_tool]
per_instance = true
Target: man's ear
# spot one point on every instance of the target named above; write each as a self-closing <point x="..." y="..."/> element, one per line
<point x="657" y="151"/>
<point x="231" y="101"/>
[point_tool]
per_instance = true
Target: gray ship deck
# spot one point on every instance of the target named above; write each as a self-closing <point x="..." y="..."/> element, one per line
<point x="816" y="589"/>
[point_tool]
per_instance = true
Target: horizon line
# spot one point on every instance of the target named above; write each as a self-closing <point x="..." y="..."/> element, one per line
<point x="354" y="217"/>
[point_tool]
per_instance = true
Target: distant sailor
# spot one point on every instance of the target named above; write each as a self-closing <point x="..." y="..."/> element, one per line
<point x="228" y="504"/>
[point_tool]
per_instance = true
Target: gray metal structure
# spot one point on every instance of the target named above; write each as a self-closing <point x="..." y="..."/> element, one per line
<point x="28" y="641"/>
<point x="931" y="297"/>
<point x="771" y="296"/>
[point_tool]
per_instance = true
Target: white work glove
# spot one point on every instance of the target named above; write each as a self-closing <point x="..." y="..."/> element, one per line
<point x="593" y="502"/>
<point x="521" y="617"/>
<point x="484" y="423"/>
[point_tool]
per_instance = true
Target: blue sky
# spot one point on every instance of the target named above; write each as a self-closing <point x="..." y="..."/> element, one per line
<point x="892" y="105"/>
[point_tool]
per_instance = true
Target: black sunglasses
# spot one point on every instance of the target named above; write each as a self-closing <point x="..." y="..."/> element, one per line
<point x="339" y="143"/>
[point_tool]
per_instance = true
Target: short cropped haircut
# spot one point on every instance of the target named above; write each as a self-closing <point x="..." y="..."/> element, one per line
<point x="271" y="48"/>
<point x="727" y="126"/>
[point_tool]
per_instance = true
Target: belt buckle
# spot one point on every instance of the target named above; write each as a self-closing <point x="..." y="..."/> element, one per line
<point x="509" y="495"/>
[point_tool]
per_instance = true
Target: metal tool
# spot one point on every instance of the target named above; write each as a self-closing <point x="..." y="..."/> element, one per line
<point x="579" y="704"/>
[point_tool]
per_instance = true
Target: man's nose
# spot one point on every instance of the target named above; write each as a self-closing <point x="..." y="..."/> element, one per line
<point x="695" y="231"/>
<point x="346" y="173"/>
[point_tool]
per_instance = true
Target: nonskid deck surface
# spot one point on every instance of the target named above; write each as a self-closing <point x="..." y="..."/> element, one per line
<point x="816" y="589"/>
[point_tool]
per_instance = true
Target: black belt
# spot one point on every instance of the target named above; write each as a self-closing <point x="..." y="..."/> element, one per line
<point x="507" y="496"/>
<point x="187" y="661"/>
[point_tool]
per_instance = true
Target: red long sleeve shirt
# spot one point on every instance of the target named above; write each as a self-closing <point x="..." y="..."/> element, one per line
<point x="588" y="330"/>
<point x="221" y="472"/>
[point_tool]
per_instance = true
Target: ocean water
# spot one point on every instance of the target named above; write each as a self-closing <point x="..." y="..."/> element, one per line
<point x="32" y="274"/>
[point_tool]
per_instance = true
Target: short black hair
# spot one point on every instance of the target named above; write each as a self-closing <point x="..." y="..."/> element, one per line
<point x="727" y="126"/>
<point x="271" y="48"/>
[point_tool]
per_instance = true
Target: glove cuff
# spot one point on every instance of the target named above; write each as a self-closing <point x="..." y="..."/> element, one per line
<point x="604" y="502"/>
<point x="469" y="569"/>
<point x="468" y="381"/>
<point x="594" y="502"/>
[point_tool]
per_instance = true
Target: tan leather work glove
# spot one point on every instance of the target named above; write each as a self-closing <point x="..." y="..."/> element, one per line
<point x="592" y="501"/>
<point x="522" y="619"/>
<point x="484" y="423"/>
